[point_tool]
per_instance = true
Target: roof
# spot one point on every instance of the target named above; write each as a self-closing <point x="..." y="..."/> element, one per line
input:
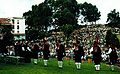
<point x="18" y="33"/>
<point x="17" y="17"/>
<point x="5" y="21"/>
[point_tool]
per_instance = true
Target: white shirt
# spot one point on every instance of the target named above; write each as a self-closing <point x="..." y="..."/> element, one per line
<point x="109" y="51"/>
<point x="91" y="49"/>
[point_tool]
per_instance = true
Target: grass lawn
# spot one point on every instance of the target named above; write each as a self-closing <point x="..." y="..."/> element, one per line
<point x="52" y="68"/>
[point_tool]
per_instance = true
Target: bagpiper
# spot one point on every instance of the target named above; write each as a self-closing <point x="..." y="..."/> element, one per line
<point x="113" y="56"/>
<point x="60" y="53"/>
<point x="46" y="52"/>
<point x="78" y="53"/>
<point x="96" y="55"/>
<point x="35" y="51"/>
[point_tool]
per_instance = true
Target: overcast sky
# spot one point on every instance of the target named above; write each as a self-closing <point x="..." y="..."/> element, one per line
<point x="16" y="8"/>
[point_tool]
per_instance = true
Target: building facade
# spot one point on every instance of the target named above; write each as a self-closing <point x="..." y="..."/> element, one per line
<point x="18" y="28"/>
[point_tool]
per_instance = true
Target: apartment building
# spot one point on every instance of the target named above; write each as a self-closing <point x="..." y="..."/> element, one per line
<point x="18" y="27"/>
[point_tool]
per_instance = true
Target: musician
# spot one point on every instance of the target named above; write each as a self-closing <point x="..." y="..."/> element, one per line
<point x="60" y="53"/>
<point x="46" y="52"/>
<point x="113" y="56"/>
<point x="35" y="51"/>
<point x="78" y="53"/>
<point x="96" y="55"/>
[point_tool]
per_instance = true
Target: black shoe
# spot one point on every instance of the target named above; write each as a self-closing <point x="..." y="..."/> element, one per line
<point x="60" y="68"/>
<point x="35" y="63"/>
<point x="45" y="66"/>
<point x="78" y="69"/>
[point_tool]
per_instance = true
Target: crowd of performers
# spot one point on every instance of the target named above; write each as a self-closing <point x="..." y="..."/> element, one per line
<point x="24" y="50"/>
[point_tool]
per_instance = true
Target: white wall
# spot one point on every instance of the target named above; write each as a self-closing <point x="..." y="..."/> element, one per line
<point x="21" y="26"/>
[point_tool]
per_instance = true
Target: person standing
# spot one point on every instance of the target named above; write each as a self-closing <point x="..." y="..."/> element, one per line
<point x="18" y="49"/>
<point x="27" y="52"/>
<point x="96" y="55"/>
<point x="3" y="49"/>
<point x="35" y="51"/>
<point x="113" y="56"/>
<point x="78" y="53"/>
<point x="46" y="52"/>
<point x="60" y="53"/>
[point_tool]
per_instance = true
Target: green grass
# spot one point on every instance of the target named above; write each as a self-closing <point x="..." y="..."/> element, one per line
<point x="52" y="68"/>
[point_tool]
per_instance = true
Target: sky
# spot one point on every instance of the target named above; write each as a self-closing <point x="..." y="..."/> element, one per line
<point x="16" y="8"/>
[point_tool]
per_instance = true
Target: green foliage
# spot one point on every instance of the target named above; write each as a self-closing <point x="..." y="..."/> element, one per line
<point x="67" y="29"/>
<point x="111" y="39"/>
<point x="8" y="37"/>
<point x="38" y="20"/>
<point x="108" y="37"/>
<point x="66" y="12"/>
<point x="90" y="12"/>
<point x="61" y="14"/>
<point x="31" y="34"/>
<point x="55" y="13"/>
<point x="113" y="18"/>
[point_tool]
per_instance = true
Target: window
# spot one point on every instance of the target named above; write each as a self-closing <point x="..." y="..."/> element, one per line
<point x="17" y="31"/>
<point x="17" y="26"/>
<point x="13" y="21"/>
<point x="13" y="27"/>
<point x="17" y="21"/>
<point x="13" y="31"/>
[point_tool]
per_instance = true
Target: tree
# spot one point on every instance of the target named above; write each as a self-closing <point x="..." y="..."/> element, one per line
<point x="65" y="15"/>
<point x="89" y="12"/>
<point x="113" y="18"/>
<point x="66" y="12"/>
<point x="8" y="37"/>
<point x="55" y="13"/>
<point x="38" y="19"/>
<point x="111" y="39"/>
